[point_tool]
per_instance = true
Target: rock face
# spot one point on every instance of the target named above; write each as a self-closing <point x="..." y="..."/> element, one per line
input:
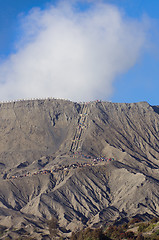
<point x="84" y="164"/>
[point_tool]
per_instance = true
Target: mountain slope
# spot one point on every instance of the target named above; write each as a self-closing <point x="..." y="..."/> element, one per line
<point x="85" y="164"/>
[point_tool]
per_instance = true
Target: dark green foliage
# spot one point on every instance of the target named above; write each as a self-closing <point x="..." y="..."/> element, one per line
<point x="129" y="235"/>
<point x="2" y="230"/>
<point x="155" y="235"/>
<point x="146" y="231"/>
<point x="140" y="237"/>
<point x="155" y="220"/>
<point x="89" y="234"/>
<point x="142" y="227"/>
<point x="53" y="227"/>
<point x="157" y="232"/>
<point x="125" y="226"/>
<point x="120" y="232"/>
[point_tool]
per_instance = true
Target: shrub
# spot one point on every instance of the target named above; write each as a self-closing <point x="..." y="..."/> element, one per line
<point x="125" y="226"/>
<point x="134" y="220"/>
<point x="150" y="227"/>
<point x="110" y="230"/>
<point x="89" y="234"/>
<point x="115" y="232"/>
<point x="155" y="220"/>
<point x="157" y="232"/>
<point x="53" y="226"/>
<point x="129" y="234"/>
<point x="140" y="237"/>
<point x="143" y="226"/>
<point x="2" y="230"/>
<point x="155" y="235"/>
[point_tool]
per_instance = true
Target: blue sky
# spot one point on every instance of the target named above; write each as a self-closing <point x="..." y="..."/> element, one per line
<point x="136" y="81"/>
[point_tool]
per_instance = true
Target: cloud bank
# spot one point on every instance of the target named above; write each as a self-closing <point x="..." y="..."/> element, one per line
<point x="67" y="53"/>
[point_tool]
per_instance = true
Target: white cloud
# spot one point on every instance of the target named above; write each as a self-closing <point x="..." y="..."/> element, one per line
<point x="66" y="53"/>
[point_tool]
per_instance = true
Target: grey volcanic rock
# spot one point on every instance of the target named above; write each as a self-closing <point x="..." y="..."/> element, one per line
<point x="31" y="129"/>
<point x="47" y="169"/>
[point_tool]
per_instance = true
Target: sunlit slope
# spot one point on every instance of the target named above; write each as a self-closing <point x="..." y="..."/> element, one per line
<point x="42" y="135"/>
<point x="88" y="196"/>
<point x="130" y="128"/>
<point x="31" y="129"/>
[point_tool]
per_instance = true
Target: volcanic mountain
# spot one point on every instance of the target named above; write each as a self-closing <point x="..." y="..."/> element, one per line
<point x="84" y="164"/>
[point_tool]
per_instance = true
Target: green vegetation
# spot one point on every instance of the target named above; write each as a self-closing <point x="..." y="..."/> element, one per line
<point x="143" y="226"/>
<point x="149" y="226"/>
<point x="133" y="230"/>
<point x="89" y="234"/>
<point x="53" y="227"/>
<point x="2" y="230"/>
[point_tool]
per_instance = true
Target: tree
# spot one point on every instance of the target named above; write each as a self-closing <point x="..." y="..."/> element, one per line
<point x="53" y="227"/>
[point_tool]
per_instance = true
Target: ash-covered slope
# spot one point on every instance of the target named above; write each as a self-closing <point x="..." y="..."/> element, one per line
<point x="30" y="129"/>
<point x="50" y="166"/>
<point x="131" y="128"/>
